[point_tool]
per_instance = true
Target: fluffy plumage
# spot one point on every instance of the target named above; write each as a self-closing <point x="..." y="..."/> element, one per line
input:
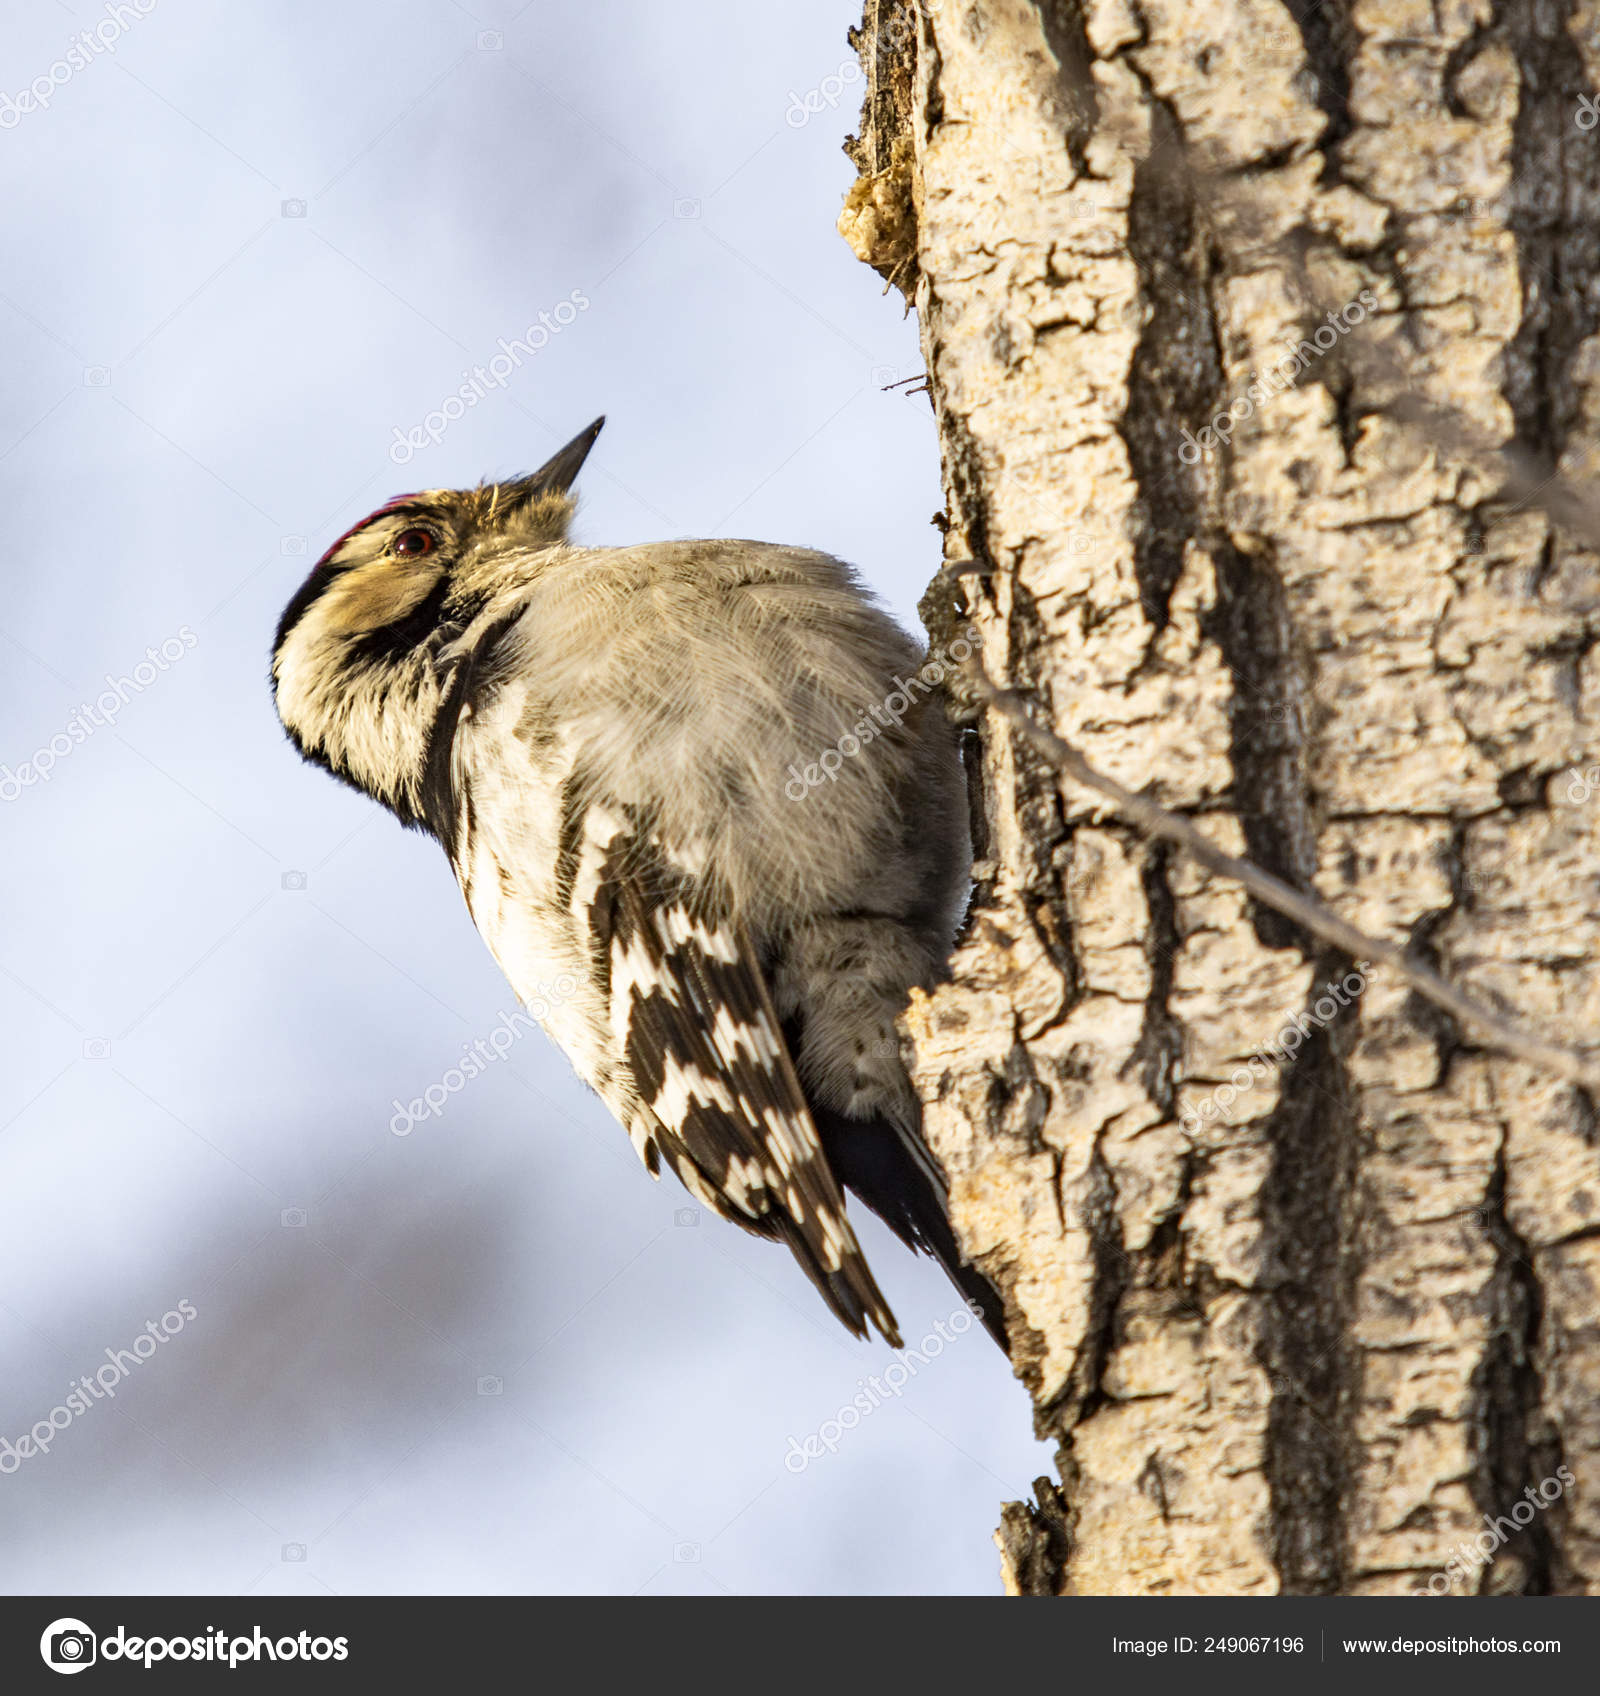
<point x="604" y="741"/>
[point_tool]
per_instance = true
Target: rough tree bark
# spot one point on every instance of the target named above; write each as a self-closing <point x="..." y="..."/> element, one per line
<point x="1306" y="1342"/>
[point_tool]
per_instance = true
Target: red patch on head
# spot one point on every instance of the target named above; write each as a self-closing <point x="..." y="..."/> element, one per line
<point x="383" y="511"/>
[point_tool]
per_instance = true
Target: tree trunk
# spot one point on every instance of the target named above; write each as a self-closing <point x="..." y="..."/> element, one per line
<point x="1296" y="1326"/>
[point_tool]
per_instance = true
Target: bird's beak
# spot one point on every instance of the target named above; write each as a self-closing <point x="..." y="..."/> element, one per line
<point x="560" y="471"/>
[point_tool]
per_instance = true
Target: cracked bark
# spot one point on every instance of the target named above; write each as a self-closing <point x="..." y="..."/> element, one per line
<point x="1308" y="1344"/>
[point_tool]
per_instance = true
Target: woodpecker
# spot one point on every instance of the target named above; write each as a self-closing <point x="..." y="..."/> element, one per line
<point x="614" y="746"/>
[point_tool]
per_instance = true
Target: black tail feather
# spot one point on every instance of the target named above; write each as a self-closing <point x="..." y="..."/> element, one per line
<point x="871" y="1162"/>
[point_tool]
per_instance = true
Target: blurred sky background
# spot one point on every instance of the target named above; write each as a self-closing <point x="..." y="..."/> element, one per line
<point x="245" y="248"/>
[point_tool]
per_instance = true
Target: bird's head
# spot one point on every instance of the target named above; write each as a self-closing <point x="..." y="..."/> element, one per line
<point x="354" y="664"/>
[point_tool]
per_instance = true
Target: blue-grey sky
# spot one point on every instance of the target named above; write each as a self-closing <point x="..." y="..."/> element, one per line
<point x="251" y="250"/>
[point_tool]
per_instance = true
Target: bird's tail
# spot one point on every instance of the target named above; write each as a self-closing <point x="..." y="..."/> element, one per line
<point x="870" y="1159"/>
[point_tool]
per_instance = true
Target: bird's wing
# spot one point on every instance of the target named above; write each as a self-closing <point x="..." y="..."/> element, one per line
<point x="717" y="1094"/>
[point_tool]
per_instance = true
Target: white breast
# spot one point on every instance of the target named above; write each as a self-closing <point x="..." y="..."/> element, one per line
<point x="509" y="848"/>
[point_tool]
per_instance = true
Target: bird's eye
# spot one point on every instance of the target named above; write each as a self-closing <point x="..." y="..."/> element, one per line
<point x="414" y="542"/>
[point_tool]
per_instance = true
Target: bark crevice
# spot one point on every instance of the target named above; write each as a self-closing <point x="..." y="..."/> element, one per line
<point x="1160" y="1044"/>
<point x="1518" y="1448"/>
<point x="1305" y="1205"/>
<point x="1268" y="728"/>
<point x="1555" y="207"/>
<point x="1325" y="32"/>
<point x="1075" y="106"/>
<point x="1176" y="373"/>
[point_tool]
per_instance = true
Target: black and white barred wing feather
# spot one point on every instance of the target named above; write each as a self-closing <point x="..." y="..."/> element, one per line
<point x="717" y="1094"/>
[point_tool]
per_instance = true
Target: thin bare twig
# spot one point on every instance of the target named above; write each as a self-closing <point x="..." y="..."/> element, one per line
<point x="1321" y="921"/>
